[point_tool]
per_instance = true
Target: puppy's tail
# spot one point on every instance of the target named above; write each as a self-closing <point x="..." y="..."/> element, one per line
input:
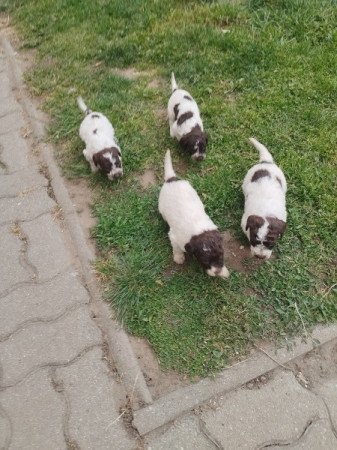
<point x="265" y="156"/>
<point x="83" y="107"/>
<point x="168" y="168"/>
<point x="174" y="85"/>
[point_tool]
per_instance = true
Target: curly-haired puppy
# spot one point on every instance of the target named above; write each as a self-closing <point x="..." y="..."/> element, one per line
<point x="265" y="215"/>
<point x="101" y="150"/>
<point x="185" y="122"/>
<point x="191" y="230"/>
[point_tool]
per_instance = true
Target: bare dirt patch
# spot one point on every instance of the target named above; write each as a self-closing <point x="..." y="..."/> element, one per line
<point x="82" y="198"/>
<point x="147" y="179"/>
<point x="130" y="73"/>
<point x="158" y="381"/>
<point x="238" y="256"/>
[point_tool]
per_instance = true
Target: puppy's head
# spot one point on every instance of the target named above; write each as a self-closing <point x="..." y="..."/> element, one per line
<point x="195" y="143"/>
<point x="207" y="248"/>
<point x="109" y="161"/>
<point x="263" y="234"/>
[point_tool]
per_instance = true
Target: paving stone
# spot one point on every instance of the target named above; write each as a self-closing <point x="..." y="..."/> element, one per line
<point x="278" y="411"/>
<point x="40" y="301"/>
<point x="36" y="413"/>
<point x="93" y="404"/>
<point x="5" y="429"/>
<point x="6" y="88"/>
<point x="318" y="436"/>
<point x="26" y="206"/>
<point x="11" y="122"/>
<point x="9" y="105"/>
<point x="328" y="391"/>
<point x="14" y="151"/>
<point x="47" y="251"/>
<point x="21" y="184"/>
<point x="52" y="343"/>
<point x="12" y="271"/>
<point x="184" y="434"/>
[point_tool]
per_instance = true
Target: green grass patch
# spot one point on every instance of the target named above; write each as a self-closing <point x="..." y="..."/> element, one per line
<point x="257" y="68"/>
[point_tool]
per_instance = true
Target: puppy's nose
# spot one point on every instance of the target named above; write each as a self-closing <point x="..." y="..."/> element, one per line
<point x="260" y="256"/>
<point x="199" y="157"/>
<point x="118" y="174"/>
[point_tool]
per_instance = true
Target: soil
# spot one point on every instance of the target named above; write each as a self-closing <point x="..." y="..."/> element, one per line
<point x="147" y="179"/>
<point x="158" y="381"/>
<point x="238" y="256"/>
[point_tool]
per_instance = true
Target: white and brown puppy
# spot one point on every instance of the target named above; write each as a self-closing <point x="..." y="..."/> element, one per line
<point x="191" y="230"/>
<point x="265" y="215"/>
<point x="185" y="122"/>
<point x="101" y="150"/>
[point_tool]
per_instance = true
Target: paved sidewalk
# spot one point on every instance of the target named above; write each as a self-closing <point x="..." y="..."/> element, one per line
<point x="68" y="379"/>
<point x="57" y="390"/>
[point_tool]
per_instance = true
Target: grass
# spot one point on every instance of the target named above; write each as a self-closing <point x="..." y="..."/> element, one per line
<point x="263" y="68"/>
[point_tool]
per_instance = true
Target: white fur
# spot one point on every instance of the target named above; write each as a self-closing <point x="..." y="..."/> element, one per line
<point x="264" y="197"/>
<point x="182" y="209"/>
<point x="104" y="137"/>
<point x="185" y="105"/>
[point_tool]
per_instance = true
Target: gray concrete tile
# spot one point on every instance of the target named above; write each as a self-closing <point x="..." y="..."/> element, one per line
<point x="40" y="302"/>
<point x="36" y="414"/>
<point x="11" y="271"/>
<point x="183" y="434"/>
<point x="26" y="206"/>
<point x="94" y="400"/>
<point x="51" y="343"/>
<point x="47" y="249"/>
<point x="249" y="418"/>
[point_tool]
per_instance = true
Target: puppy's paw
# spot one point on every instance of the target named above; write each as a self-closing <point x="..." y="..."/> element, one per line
<point x="179" y="258"/>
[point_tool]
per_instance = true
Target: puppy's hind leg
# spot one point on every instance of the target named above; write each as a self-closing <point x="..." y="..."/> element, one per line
<point x="178" y="254"/>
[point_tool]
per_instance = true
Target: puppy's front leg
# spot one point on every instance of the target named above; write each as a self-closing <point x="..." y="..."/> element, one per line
<point x="178" y="254"/>
<point x="173" y="130"/>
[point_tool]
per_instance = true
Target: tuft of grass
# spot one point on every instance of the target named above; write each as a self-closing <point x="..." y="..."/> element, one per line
<point x="256" y="67"/>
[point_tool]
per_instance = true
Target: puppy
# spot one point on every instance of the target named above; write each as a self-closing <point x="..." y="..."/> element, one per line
<point x="185" y="122"/>
<point x="191" y="230"/>
<point x="101" y="149"/>
<point x="265" y="215"/>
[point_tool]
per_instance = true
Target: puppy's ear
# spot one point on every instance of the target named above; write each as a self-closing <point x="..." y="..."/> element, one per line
<point x="188" y="248"/>
<point x="276" y="226"/>
<point x="254" y="222"/>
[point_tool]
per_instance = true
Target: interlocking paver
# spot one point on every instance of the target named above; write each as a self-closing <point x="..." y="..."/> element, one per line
<point x="19" y="185"/>
<point x="53" y="343"/>
<point x="36" y="412"/>
<point x="328" y="391"/>
<point x="318" y="436"/>
<point x="11" y="271"/>
<point x="15" y="152"/>
<point x="11" y="122"/>
<point x="40" y="301"/>
<point x="92" y="393"/>
<point x="278" y="411"/>
<point x="47" y="251"/>
<point x="184" y="434"/>
<point x="27" y="206"/>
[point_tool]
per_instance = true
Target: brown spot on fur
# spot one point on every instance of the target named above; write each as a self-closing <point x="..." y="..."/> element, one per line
<point x="195" y="138"/>
<point x="207" y="248"/>
<point x="176" y="110"/>
<point x="172" y="179"/>
<point x="188" y="97"/>
<point x="105" y="164"/>
<point x="260" y="174"/>
<point x="253" y="224"/>
<point x="95" y="131"/>
<point x="95" y="116"/>
<point x="279" y="180"/>
<point x="265" y="162"/>
<point x="187" y="115"/>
